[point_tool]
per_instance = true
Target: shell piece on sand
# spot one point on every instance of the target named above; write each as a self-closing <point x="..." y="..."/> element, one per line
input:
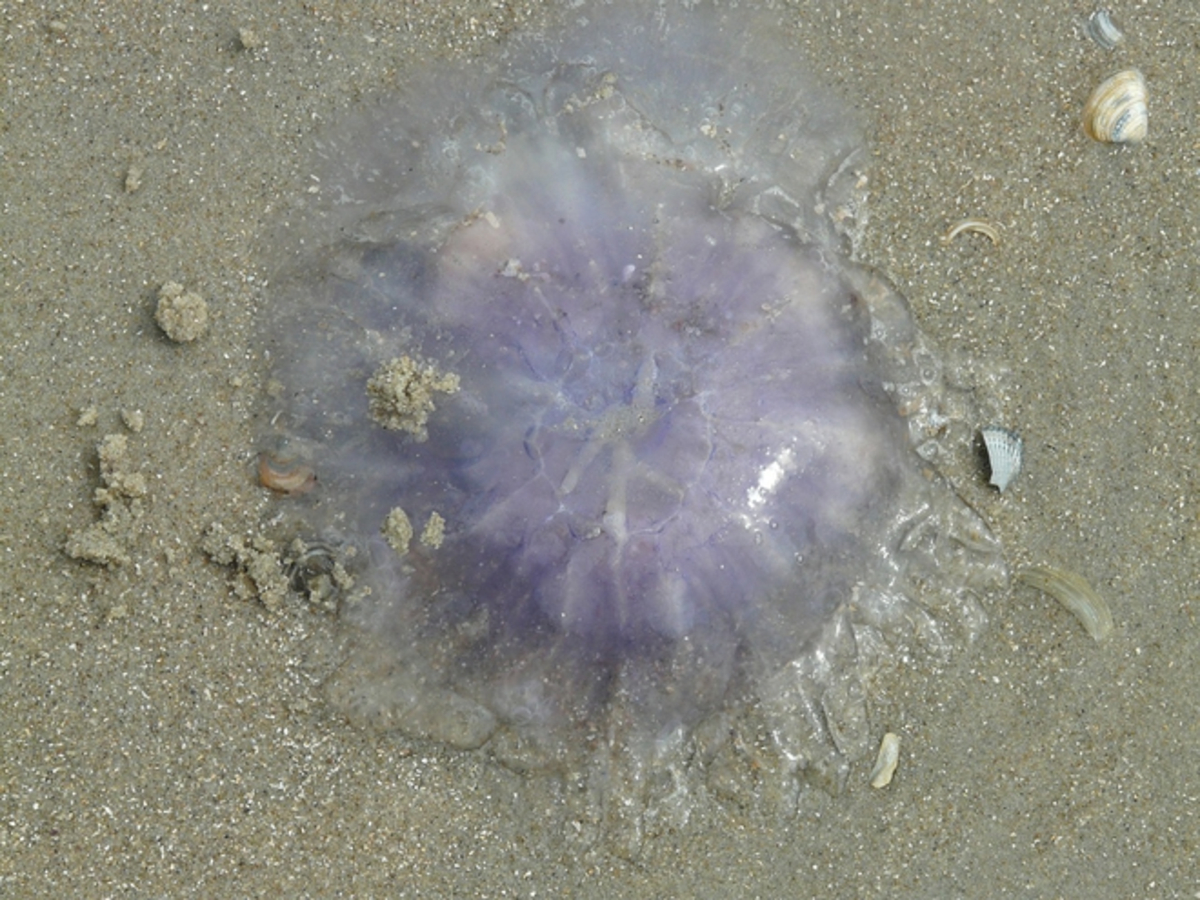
<point x="1006" y="451"/>
<point x="1072" y="591"/>
<point x="886" y="762"/>
<point x="1116" y="112"/>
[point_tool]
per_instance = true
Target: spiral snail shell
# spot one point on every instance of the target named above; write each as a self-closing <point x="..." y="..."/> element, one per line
<point x="1116" y="111"/>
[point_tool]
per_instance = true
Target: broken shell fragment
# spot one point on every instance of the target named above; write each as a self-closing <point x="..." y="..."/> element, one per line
<point x="1072" y="591"/>
<point x="285" y="476"/>
<point x="1116" y="113"/>
<point x="886" y="762"/>
<point x="1005" y="451"/>
<point x="978" y="226"/>
<point x="1103" y="30"/>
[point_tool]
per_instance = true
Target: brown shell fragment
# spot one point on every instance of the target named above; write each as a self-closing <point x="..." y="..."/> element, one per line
<point x="285" y="476"/>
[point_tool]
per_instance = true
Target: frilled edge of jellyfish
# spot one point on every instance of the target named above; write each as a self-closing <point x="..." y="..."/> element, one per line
<point x="406" y="173"/>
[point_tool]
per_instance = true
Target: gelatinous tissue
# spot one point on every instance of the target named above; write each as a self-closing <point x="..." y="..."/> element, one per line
<point x="673" y="445"/>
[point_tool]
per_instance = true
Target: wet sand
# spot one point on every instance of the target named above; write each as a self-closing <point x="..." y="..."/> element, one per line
<point x="163" y="736"/>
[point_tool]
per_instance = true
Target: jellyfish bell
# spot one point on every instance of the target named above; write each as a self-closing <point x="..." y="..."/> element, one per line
<point x="649" y="490"/>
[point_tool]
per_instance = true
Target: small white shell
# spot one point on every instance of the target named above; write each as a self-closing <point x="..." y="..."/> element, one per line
<point x="977" y="226"/>
<point x="1101" y="29"/>
<point x="1116" y="113"/>
<point x="886" y="762"/>
<point x="1005" y="451"/>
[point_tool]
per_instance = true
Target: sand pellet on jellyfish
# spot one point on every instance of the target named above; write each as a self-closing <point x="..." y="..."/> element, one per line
<point x="678" y="506"/>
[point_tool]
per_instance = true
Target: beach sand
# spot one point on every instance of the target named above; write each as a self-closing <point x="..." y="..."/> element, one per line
<point x="163" y="735"/>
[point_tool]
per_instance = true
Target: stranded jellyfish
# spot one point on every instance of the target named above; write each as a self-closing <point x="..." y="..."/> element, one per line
<point x="635" y="472"/>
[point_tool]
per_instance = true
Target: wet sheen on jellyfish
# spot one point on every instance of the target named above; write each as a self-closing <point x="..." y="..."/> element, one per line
<point x="635" y="462"/>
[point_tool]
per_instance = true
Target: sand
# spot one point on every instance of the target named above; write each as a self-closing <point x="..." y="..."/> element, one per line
<point x="164" y="735"/>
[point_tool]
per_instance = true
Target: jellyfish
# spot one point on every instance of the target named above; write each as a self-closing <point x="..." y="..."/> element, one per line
<point x="636" y="468"/>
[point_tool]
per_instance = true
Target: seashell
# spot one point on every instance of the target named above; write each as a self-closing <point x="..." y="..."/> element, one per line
<point x="1116" y="112"/>
<point x="1101" y="29"/>
<point x="885" y="763"/>
<point x="1005" y="451"/>
<point x="976" y="226"/>
<point x="285" y="476"/>
<point x="1072" y="591"/>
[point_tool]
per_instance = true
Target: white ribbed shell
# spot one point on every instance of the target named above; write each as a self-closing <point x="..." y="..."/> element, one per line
<point x="1005" y="451"/>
